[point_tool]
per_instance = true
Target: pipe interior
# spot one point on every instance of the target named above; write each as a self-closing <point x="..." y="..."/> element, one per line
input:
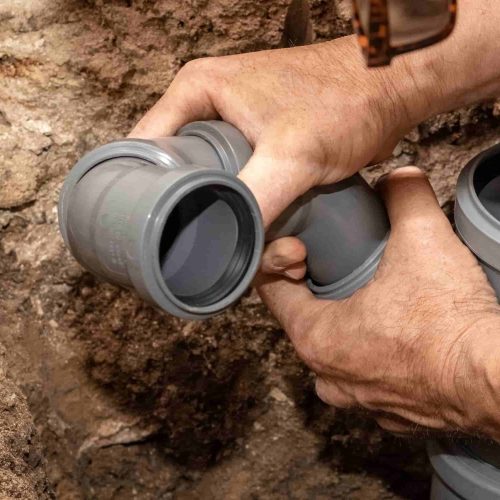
<point x="207" y="245"/>
<point x="487" y="185"/>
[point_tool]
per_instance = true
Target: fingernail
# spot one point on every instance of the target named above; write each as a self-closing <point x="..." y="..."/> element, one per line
<point x="294" y="274"/>
<point x="277" y="264"/>
<point x="280" y="269"/>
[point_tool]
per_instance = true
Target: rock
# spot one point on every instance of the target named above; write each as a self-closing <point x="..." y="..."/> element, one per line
<point x="18" y="180"/>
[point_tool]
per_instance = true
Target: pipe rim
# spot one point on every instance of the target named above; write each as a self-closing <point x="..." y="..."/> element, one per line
<point x="228" y="142"/>
<point x="354" y="281"/>
<point x="477" y="227"/>
<point x="150" y="256"/>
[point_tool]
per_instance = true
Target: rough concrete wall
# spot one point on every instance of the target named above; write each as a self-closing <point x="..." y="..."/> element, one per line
<point x="128" y="402"/>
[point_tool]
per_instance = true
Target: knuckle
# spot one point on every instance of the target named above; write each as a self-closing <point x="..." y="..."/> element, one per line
<point x="298" y="249"/>
<point x="198" y="64"/>
<point x="281" y="248"/>
<point x="309" y="345"/>
<point x="321" y="348"/>
<point x="308" y="352"/>
<point x="286" y="251"/>
<point x="266" y="263"/>
<point x="197" y="69"/>
<point x="385" y="424"/>
<point x="366" y="397"/>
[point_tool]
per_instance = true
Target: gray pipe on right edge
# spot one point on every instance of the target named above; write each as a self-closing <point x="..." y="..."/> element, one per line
<point x="470" y="469"/>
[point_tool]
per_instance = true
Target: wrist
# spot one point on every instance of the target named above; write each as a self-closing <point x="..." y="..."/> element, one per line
<point x="461" y="70"/>
<point x="399" y="96"/>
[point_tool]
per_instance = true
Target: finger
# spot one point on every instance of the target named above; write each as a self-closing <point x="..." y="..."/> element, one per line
<point x="332" y="395"/>
<point x="409" y="198"/>
<point x="295" y="307"/>
<point x="395" y="425"/>
<point x="402" y="427"/>
<point x="296" y="272"/>
<point x="186" y="100"/>
<point x="282" y="254"/>
<point x="276" y="178"/>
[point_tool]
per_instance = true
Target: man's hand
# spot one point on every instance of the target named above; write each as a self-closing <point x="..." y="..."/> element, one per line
<point x="419" y="344"/>
<point x="314" y="115"/>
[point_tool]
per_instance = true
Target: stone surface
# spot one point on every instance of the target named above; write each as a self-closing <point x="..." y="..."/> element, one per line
<point x="128" y="402"/>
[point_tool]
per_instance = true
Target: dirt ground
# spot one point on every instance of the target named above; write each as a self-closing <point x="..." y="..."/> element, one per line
<point x="102" y="396"/>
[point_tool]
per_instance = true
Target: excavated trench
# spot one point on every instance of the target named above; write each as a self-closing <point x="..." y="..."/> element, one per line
<point x="102" y="396"/>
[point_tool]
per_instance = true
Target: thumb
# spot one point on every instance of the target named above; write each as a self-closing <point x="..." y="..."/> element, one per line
<point x="295" y="307"/>
<point x="186" y="100"/>
<point x="410" y="199"/>
<point x="277" y="175"/>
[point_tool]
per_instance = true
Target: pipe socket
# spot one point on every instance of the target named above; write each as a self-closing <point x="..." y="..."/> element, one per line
<point x="170" y="219"/>
<point x="477" y="211"/>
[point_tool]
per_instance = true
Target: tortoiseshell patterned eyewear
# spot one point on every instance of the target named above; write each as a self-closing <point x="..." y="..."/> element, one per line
<point x="387" y="28"/>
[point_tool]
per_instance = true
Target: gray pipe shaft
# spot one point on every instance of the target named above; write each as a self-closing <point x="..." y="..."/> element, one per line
<point x="342" y="225"/>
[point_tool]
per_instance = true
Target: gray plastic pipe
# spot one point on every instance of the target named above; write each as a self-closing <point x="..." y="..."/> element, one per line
<point x="170" y="219"/>
<point x="471" y="470"/>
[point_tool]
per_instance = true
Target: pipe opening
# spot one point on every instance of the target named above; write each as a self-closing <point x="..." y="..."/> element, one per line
<point x="207" y="245"/>
<point x="487" y="185"/>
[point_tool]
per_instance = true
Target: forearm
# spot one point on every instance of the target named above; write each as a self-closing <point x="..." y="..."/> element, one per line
<point x="463" y="69"/>
<point x="469" y="61"/>
<point x="467" y="64"/>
